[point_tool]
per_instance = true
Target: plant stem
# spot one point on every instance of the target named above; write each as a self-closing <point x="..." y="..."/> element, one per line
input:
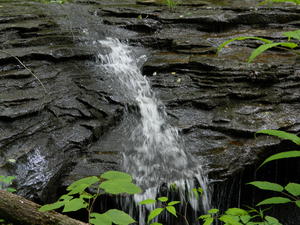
<point x="22" y="64"/>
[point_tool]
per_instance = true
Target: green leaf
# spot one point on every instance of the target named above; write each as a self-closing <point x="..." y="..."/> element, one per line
<point x="86" y="195"/>
<point x="163" y="199"/>
<point x="78" y="189"/>
<point x="154" y="213"/>
<point x="7" y="179"/>
<point x="271" y="220"/>
<point x="281" y="155"/>
<point x="116" y="175"/>
<point x="213" y="211"/>
<point x="174" y="202"/>
<point x="208" y="221"/>
<point x="265" y="185"/>
<point x="74" y="205"/>
<point x="52" y="206"/>
<point x="293" y="188"/>
<point x="292" y="34"/>
<point x="241" y="39"/>
<point x="245" y="219"/>
<point x="80" y="185"/>
<point x="274" y="200"/>
<point x="119" y="217"/>
<point x="155" y="223"/>
<point x="119" y="187"/>
<point x="11" y="189"/>
<point x="147" y="201"/>
<point x="236" y="212"/>
<point x="228" y="219"/>
<point x="279" y="1"/>
<point x="172" y="210"/>
<point x="100" y="219"/>
<point x="281" y="134"/>
<point x="65" y="198"/>
<point x="297" y="203"/>
<point x="11" y="160"/>
<point x="204" y="217"/>
<point x="265" y="47"/>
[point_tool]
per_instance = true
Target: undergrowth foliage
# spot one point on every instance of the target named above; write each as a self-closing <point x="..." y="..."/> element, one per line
<point x="289" y="45"/>
<point x="114" y="182"/>
<point x="111" y="182"/>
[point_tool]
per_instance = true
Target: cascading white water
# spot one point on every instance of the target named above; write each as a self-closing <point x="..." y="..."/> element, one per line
<point x="155" y="155"/>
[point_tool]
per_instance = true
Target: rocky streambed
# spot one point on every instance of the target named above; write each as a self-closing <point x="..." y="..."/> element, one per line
<point x="73" y="128"/>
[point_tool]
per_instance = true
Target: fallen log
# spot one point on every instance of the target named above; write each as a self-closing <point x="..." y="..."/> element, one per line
<point x="20" y="211"/>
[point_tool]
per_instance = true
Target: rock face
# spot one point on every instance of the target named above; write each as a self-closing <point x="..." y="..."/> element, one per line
<point x="217" y="102"/>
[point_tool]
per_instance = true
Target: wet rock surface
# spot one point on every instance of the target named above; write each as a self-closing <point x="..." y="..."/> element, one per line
<point x="217" y="102"/>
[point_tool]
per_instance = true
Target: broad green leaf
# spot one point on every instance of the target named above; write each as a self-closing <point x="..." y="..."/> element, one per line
<point x="172" y="210"/>
<point x="84" y="182"/>
<point x="265" y="185"/>
<point x="52" y="206"/>
<point x="241" y="39"/>
<point x="155" y="223"/>
<point x="245" y="219"/>
<point x="174" y="202"/>
<point x="281" y="155"/>
<point x="147" y="201"/>
<point x="293" y="188"/>
<point x="86" y="195"/>
<point x="78" y="189"/>
<point x="213" y="211"/>
<point x="8" y="179"/>
<point x="281" y="134"/>
<point x="163" y="199"/>
<point x="292" y="34"/>
<point x="271" y="220"/>
<point x="204" y="217"/>
<point x="274" y="200"/>
<point x="100" y="219"/>
<point x="11" y="189"/>
<point x="65" y="198"/>
<point x="116" y="175"/>
<point x="74" y="205"/>
<point x="154" y="213"/>
<point x="228" y="219"/>
<point x="119" y="217"/>
<point x="297" y="203"/>
<point x="119" y="187"/>
<point x="265" y="47"/>
<point x="236" y="212"/>
<point x="208" y="221"/>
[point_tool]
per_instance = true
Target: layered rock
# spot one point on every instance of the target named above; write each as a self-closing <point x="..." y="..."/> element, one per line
<point x="74" y="128"/>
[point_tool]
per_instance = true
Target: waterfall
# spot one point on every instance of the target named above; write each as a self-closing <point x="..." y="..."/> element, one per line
<point x="154" y="154"/>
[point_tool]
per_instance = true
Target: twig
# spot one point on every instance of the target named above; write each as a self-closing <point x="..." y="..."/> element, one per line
<point x="22" y="64"/>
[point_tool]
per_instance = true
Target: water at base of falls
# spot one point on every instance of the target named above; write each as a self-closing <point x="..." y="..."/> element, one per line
<point x="154" y="155"/>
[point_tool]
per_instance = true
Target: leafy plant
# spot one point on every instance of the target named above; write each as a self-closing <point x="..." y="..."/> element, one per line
<point x="297" y="2"/>
<point x="291" y="191"/>
<point x="5" y="182"/>
<point x="237" y="216"/>
<point x="111" y="182"/>
<point x="171" y="4"/>
<point x="288" y="45"/>
<point x="165" y="206"/>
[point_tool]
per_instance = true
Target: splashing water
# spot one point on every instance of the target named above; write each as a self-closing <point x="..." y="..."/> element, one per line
<point x="154" y="155"/>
